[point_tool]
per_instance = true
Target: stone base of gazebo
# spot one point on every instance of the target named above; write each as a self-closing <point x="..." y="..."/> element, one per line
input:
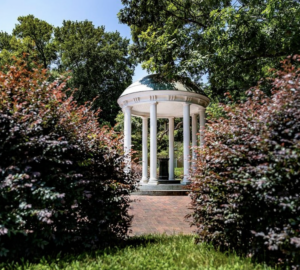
<point x="168" y="182"/>
<point x="163" y="190"/>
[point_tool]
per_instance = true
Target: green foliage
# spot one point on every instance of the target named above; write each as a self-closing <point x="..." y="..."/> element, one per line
<point x="163" y="138"/>
<point x="62" y="180"/>
<point x="234" y="42"/>
<point x="5" y="41"/>
<point x="246" y="190"/>
<point x="147" y="252"/>
<point x="179" y="173"/>
<point x="136" y="130"/>
<point x="41" y="33"/>
<point x="214" y="111"/>
<point x="99" y="61"/>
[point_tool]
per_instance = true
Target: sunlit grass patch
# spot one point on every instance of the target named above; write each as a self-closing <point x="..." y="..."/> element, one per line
<point x="147" y="252"/>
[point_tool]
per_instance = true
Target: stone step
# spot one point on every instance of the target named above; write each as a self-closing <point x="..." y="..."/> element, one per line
<point x="162" y="192"/>
<point x="168" y="182"/>
<point x="163" y="187"/>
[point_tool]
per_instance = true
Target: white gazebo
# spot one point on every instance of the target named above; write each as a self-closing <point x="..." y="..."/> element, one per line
<point x="154" y="97"/>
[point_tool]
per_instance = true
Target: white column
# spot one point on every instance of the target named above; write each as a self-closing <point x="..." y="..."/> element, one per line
<point x="127" y="129"/>
<point x="202" y="125"/>
<point x="145" y="150"/>
<point x="194" y="138"/>
<point x="127" y="136"/>
<point x="194" y="132"/>
<point x="186" y="142"/>
<point x="153" y="143"/>
<point x="171" y="148"/>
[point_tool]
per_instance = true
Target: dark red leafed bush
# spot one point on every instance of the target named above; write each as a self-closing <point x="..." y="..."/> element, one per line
<point x="246" y="188"/>
<point x="61" y="176"/>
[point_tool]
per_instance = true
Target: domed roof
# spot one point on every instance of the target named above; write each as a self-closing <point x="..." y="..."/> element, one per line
<point x="156" y="82"/>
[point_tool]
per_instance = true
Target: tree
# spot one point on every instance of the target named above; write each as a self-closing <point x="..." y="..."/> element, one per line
<point x="99" y="63"/>
<point x="234" y="42"/>
<point x="5" y="41"/>
<point x="41" y="33"/>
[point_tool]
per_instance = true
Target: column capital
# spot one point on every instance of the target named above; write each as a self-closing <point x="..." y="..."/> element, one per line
<point x="126" y="108"/>
<point x="202" y="109"/>
<point x="185" y="104"/>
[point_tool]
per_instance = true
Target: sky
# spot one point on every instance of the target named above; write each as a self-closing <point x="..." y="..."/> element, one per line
<point x="100" y="12"/>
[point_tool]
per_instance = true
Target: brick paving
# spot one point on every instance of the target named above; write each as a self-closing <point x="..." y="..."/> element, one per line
<point x="160" y="214"/>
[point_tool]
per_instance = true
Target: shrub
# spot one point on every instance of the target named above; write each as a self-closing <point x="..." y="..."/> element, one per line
<point x="61" y="175"/>
<point x="246" y="190"/>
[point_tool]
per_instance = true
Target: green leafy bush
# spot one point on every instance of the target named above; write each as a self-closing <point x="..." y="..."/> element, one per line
<point x="246" y="191"/>
<point x="61" y="176"/>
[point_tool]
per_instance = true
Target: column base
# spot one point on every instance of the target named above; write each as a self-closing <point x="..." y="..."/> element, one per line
<point x="184" y="181"/>
<point x="144" y="181"/>
<point x="153" y="181"/>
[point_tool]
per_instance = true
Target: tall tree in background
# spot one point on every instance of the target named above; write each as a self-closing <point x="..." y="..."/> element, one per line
<point x="99" y="62"/>
<point x="234" y="42"/>
<point x="41" y="33"/>
<point x="5" y="41"/>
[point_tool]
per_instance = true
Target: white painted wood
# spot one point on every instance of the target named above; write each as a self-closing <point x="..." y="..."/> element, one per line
<point x="127" y="136"/>
<point x="194" y="139"/>
<point x="186" y="142"/>
<point x="194" y="131"/>
<point x="171" y="149"/>
<point x="153" y="144"/>
<point x="202" y="125"/>
<point x="145" y="150"/>
<point x="169" y="102"/>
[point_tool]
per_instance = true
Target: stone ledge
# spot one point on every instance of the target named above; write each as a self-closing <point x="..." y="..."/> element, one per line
<point x="162" y="192"/>
<point x="163" y="187"/>
<point x="168" y="182"/>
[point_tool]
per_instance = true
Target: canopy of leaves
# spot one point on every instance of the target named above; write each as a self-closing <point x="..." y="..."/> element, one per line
<point x="5" y="41"/>
<point x="41" y="33"/>
<point x="234" y="42"/>
<point x="98" y="60"/>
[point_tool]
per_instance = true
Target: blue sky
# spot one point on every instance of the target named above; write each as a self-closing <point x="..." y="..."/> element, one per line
<point x="100" y="12"/>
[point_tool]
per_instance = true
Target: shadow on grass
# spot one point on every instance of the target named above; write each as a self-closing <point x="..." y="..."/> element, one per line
<point x="70" y="253"/>
<point x="167" y="252"/>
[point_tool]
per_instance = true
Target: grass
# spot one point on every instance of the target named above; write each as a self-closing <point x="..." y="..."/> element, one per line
<point x="146" y="252"/>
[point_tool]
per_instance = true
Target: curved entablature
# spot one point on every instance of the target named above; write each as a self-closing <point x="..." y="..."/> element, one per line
<point x="169" y="102"/>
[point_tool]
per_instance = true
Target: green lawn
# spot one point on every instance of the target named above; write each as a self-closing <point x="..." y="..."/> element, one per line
<point x="147" y="252"/>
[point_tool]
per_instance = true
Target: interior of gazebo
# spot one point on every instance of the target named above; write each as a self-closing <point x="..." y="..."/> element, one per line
<point x="153" y="97"/>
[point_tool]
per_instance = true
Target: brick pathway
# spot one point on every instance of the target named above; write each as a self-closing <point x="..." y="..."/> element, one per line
<point x="160" y="214"/>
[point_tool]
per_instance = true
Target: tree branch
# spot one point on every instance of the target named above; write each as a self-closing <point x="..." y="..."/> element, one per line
<point x="167" y="130"/>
